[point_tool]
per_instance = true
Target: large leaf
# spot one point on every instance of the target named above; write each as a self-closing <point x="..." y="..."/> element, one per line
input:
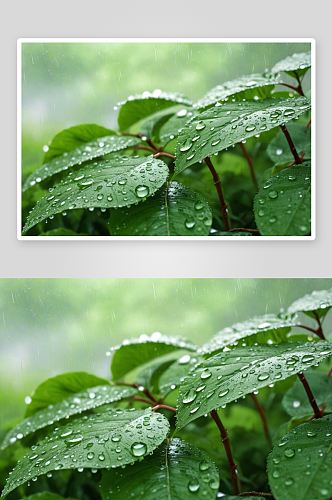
<point x="278" y="149"/>
<point x="319" y="301"/>
<point x="230" y="375"/>
<point x="88" y="151"/>
<point x="283" y="205"/>
<point x="248" y="87"/>
<point x="73" y="137"/>
<point x="111" y="439"/>
<point x="295" y="402"/>
<point x="175" y="124"/>
<point x="136" y="352"/>
<point x="297" y="62"/>
<point x="138" y="107"/>
<point x="276" y="325"/>
<point x="121" y="181"/>
<point x="176" y="372"/>
<point x="300" y="466"/>
<point x="227" y="124"/>
<point x="57" y="388"/>
<point x="176" y="471"/>
<point x="175" y="210"/>
<point x="72" y="405"/>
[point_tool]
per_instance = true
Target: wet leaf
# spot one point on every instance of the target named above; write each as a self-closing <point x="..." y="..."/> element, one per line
<point x="175" y="124"/>
<point x="136" y="352"/>
<point x="45" y="495"/>
<point x="222" y="126"/>
<point x="88" y="151"/>
<point x="177" y="470"/>
<point x="111" y="439"/>
<point x="278" y="149"/>
<point x="301" y="464"/>
<point x="172" y="377"/>
<point x="319" y="301"/>
<point x="61" y="231"/>
<point x="71" y="405"/>
<point x="283" y="205"/>
<point x="229" y="375"/>
<point x="297" y="62"/>
<point x="175" y="210"/>
<point x="121" y="181"/>
<point x="232" y="233"/>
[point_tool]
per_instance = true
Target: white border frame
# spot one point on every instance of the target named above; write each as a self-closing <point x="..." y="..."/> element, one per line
<point x="20" y="41"/>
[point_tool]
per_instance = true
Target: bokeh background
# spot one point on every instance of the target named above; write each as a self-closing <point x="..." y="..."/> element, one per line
<point x="53" y="326"/>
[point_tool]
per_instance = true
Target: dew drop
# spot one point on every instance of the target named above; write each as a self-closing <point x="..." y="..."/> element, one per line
<point x="289" y="481"/>
<point x="77" y="438"/>
<point x="263" y="376"/>
<point x="200" y="126"/>
<point x="223" y="393"/>
<point x="138" y="449"/>
<point x="101" y="457"/>
<point x="292" y="177"/>
<point x="289" y="453"/>
<point x="206" y="373"/>
<point x="273" y="219"/>
<point x="198" y="205"/>
<point x="203" y="465"/>
<point x="90" y="455"/>
<point x="86" y="182"/>
<point x="193" y="486"/>
<point x="250" y="128"/>
<point x="186" y="146"/>
<point x="307" y="358"/>
<point x="273" y="194"/>
<point x="190" y="222"/>
<point x="311" y="433"/>
<point x="279" y="152"/>
<point x="190" y="396"/>
<point x="142" y="191"/>
<point x="184" y="360"/>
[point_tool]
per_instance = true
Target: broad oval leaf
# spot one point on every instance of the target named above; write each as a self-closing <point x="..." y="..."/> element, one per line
<point x="175" y="124"/>
<point x="230" y="375"/>
<point x="278" y="149"/>
<point x="73" y="137"/>
<point x="175" y="210"/>
<point x="319" y="302"/>
<point x="141" y="106"/>
<point x="111" y="439"/>
<point x="249" y="86"/>
<point x="227" y="124"/>
<point x="277" y="326"/>
<point x="295" y="402"/>
<point x="71" y="405"/>
<point x="136" y="352"/>
<point x="177" y="470"/>
<point x="172" y="377"/>
<point x="88" y="151"/>
<point x="283" y="205"/>
<point x="297" y="62"/>
<point x="300" y="466"/>
<point x="121" y="181"/>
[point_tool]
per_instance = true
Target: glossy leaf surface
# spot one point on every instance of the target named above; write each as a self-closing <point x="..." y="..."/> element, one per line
<point x="278" y="149"/>
<point x="319" y="301"/>
<point x="297" y="62"/>
<point x="175" y="124"/>
<point x="175" y="374"/>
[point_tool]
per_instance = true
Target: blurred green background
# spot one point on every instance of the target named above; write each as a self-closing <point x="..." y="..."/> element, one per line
<point x="67" y="84"/>
<point x="51" y="326"/>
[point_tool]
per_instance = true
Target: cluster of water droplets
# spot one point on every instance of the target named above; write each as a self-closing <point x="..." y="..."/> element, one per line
<point x="175" y="97"/>
<point x="315" y="301"/>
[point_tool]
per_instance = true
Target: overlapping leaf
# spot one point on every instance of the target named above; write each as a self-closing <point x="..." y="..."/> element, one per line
<point x="297" y="62"/>
<point x="175" y="210"/>
<point x="175" y="124"/>
<point x="300" y="466"/>
<point x="272" y="326"/>
<point x="111" y="439"/>
<point x="176" y="372"/>
<point x="177" y="470"/>
<point x="121" y="181"/>
<point x="319" y="301"/>
<point x="136" y="352"/>
<point x="222" y="126"/>
<point x="278" y="149"/>
<point x="230" y="375"/>
<point x="88" y="151"/>
<point x="283" y="205"/>
<point x="71" y="405"/>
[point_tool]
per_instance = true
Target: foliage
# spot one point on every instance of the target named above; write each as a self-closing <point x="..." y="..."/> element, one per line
<point x="121" y="439"/>
<point x="152" y="177"/>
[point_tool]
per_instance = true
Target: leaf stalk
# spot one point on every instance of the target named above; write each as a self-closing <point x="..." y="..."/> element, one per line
<point x="216" y="180"/>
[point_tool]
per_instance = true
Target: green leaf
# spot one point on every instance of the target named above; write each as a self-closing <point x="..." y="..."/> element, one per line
<point x="175" y="124"/>
<point x="45" y="495"/>
<point x="88" y="151"/>
<point x="283" y="205"/>
<point x="278" y="149"/>
<point x="60" y="231"/>
<point x="300" y="466"/>
<point x="177" y="371"/>
<point x="177" y="470"/>
<point x="73" y="137"/>
<point x="276" y="327"/>
<point x="175" y="210"/>
<point x="232" y="233"/>
<point x="71" y="405"/>
<point x="297" y="62"/>
<point x="230" y="375"/>
<point x="222" y="126"/>
<point x="111" y="439"/>
<point x="319" y="301"/>
<point x="121" y="181"/>
<point x="245" y="87"/>
<point x="136" y="352"/>
<point x="139" y="107"/>
<point x="60" y="387"/>
<point x="295" y="402"/>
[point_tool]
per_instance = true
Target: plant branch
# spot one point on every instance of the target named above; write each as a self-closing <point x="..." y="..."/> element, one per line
<point x="143" y="147"/>
<point x="162" y="153"/>
<point x="216" y="180"/>
<point x="317" y="411"/>
<point x="144" y="400"/>
<point x="329" y="374"/>
<point x="225" y="441"/>
<point x="138" y="386"/>
<point x="320" y="332"/>
<point x="167" y="407"/>
<point x="313" y="330"/>
<point x="308" y="124"/>
<point x="300" y="90"/>
<point x="262" y="415"/>
<point x="252" y="172"/>
<point x="291" y="144"/>
<point x="301" y="158"/>
<point x="297" y="89"/>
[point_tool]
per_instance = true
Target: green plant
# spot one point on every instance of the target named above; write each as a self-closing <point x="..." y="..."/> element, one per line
<point x="118" y="439"/>
<point x="158" y="174"/>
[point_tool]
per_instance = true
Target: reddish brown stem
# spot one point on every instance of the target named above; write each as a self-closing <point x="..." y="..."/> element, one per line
<point x="310" y="395"/>
<point x="144" y="400"/>
<point x="329" y="374"/>
<point x="162" y="153"/>
<point x="291" y="144"/>
<point x="137" y="386"/>
<point x="262" y="415"/>
<point x="297" y="89"/>
<point x="227" y="446"/>
<point x="319" y="329"/>
<point x="301" y="158"/>
<point x="252" y="172"/>
<point x="321" y="411"/>
<point x="216" y="180"/>
<point x="313" y="330"/>
<point x="164" y="406"/>
<point x="308" y="124"/>
<point x="143" y="147"/>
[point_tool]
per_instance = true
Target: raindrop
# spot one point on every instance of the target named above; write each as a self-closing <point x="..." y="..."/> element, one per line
<point x="289" y="453"/>
<point x="190" y="396"/>
<point x="273" y="194"/>
<point x="289" y="481"/>
<point x="311" y="433"/>
<point x="200" y="126"/>
<point x="263" y="376"/>
<point x="198" y="205"/>
<point x="75" y="439"/>
<point x="203" y="465"/>
<point x="101" y="456"/>
<point x="223" y="393"/>
<point x="307" y="358"/>
<point x="279" y="152"/>
<point x="206" y="373"/>
<point x="184" y="360"/>
<point x="215" y="142"/>
<point x="90" y="455"/>
<point x="292" y="177"/>
<point x="138" y="449"/>
<point x="296" y="404"/>
<point x="273" y="219"/>
<point x="87" y="182"/>
<point x="187" y="145"/>
<point x="183" y="112"/>
<point x="250" y="128"/>
<point x="193" y="485"/>
<point x="190" y="222"/>
<point x="142" y="191"/>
